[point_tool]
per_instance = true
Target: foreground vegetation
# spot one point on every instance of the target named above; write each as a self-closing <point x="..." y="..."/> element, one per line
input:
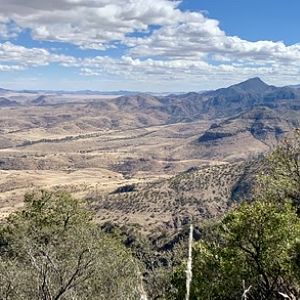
<point x="255" y="248"/>
<point x="52" y="249"/>
<point x="254" y="251"/>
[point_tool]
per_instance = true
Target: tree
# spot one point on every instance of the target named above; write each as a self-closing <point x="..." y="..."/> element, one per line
<point x="53" y="250"/>
<point x="252" y="246"/>
<point x="255" y="249"/>
<point x="282" y="177"/>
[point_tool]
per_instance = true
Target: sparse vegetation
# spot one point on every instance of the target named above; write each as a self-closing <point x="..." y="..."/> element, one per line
<point x="148" y="167"/>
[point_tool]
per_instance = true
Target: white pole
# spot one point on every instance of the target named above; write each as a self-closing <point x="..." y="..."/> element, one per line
<point x="189" y="265"/>
<point x="142" y="290"/>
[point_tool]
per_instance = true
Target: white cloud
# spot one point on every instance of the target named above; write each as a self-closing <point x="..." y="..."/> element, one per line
<point x="88" y="23"/>
<point x="99" y="23"/>
<point x="200" y="37"/>
<point x="30" y="57"/>
<point x="8" y="30"/>
<point x="172" y="74"/>
<point x="181" y="69"/>
<point x="7" y="68"/>
<point x="183" y="48"/>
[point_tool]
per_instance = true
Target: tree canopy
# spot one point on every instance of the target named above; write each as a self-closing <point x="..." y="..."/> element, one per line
<point x="253" y="252"/>
<point x="52" y="250"/>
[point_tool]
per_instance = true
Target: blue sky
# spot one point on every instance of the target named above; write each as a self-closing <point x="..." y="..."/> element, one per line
<point x="147" y="45"/>
<point x="254" y="20"/>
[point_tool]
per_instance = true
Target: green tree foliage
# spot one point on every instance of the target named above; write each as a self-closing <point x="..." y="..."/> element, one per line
<point x="253" y="246"/>
<point x="52" y="250"/>
<point x="282" y="177"/>
<point x="254" y="251"/>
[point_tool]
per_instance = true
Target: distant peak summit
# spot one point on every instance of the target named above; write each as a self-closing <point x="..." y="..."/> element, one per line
<point x="254" y="84"/>
<point x="254" y="80"/>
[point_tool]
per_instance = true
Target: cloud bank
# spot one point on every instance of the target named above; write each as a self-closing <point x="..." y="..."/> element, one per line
<point x="159" y="41"/>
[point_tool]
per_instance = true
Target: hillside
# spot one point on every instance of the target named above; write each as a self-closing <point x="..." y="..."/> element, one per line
<point x="255" y="131"/>
<point x="51" y="140"/>
<point x="4" y="102"/>
<point x="196" y="194"/>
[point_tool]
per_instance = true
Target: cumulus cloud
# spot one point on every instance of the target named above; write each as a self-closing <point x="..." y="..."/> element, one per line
<point x="31" y="57"/>
<point x="200" y="37"/>
<point x="176" y="69"/>
<point x="171" y="74"/>
<point x="100" y="23"/>
<point x="88" y="23"/>
<point x="171" y="44"/>
<point x="7" y="68"/>
<point x="8" y="29"/>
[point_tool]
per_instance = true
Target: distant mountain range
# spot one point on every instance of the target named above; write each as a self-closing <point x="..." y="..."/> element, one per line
<point x="264" y="111"/>
<point x="85" y="92"/>
<point x="297" y="86"/>
<point x="221" y="103"/>
<point x="4" y="91"/>
<point x="255" y="83"/>
<point x="251" y="116"/>
<point x="81" y="92"/>
<point x="218" y="103"/>
<point x="4" y="102"/>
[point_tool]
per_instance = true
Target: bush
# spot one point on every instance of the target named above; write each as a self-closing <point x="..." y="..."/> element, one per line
<point x="53" y="250"/>
<point x="252" y="246"/>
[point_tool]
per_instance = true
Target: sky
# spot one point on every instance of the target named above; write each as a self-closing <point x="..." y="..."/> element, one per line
<point x="147" y="45"/>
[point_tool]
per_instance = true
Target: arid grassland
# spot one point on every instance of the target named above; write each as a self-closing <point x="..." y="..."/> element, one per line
<point x="142" y="159"/>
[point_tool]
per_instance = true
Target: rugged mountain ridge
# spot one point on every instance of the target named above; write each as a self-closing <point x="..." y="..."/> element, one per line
<point x="4" y="102"/>
<point x="221" y="103"/>
<point x="238" y="98"/>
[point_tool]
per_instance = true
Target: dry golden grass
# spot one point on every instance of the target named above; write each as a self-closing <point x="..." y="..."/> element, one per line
<point x="198" y="194"/>
<point x="92" y="147"/>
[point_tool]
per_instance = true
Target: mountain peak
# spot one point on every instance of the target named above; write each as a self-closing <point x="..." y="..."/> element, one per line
<point x="255" y="80"/>
<point x="254" y="84"/>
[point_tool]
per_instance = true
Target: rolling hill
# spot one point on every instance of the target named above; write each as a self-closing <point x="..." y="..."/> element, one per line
<point x="4" y="102"/>
<point x="135" y="150"/>
<point x="198" y="194"/>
